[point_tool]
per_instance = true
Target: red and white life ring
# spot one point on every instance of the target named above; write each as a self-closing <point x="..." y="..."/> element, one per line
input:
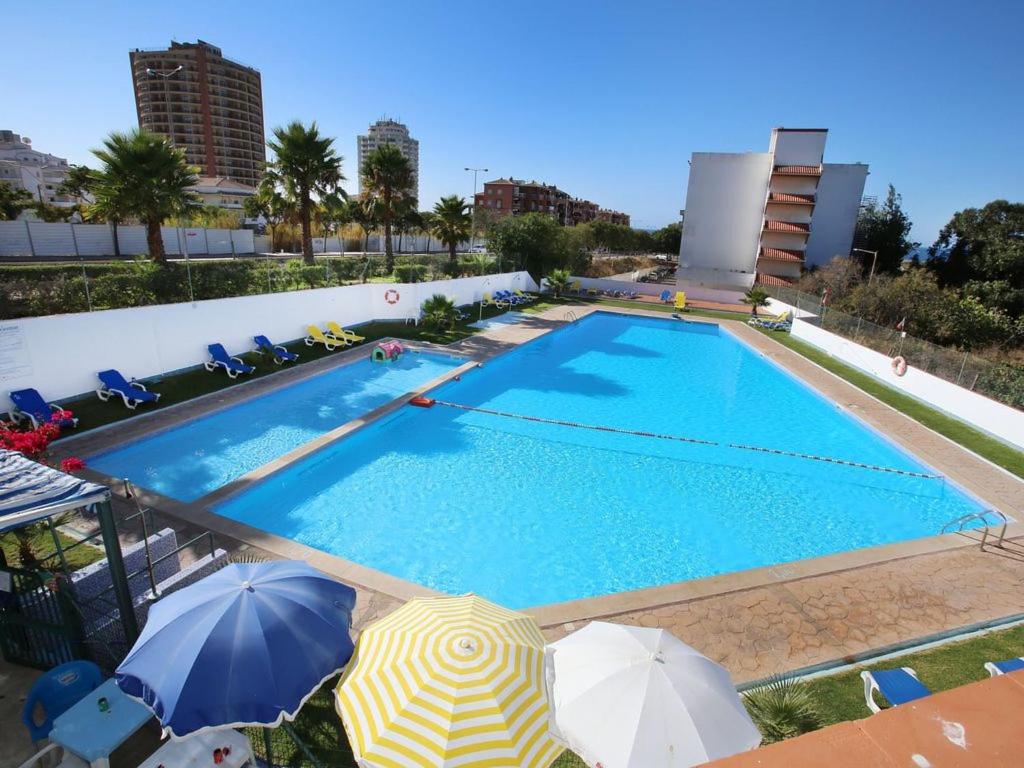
<point x="391" y="296"/>
<point x="899" y="366"/>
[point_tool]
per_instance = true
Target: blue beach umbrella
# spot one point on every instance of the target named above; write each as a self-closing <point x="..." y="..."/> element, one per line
<point x="245" y="646"/>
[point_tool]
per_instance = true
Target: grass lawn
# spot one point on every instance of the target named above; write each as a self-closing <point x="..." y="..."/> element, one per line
<point x="179" y="387"/>
<point x="994" y="450"/>
<point x="841" y="697"/>
<point x="42" y="544"/>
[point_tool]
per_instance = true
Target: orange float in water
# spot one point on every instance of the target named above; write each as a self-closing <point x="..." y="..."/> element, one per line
<point x="422" y="402"/>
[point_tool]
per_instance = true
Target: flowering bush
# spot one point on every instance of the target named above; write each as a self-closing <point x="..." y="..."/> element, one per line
<point x="35" y="443"/>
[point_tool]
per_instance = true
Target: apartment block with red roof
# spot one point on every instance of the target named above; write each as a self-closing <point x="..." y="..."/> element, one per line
<point x="763" y="217"/>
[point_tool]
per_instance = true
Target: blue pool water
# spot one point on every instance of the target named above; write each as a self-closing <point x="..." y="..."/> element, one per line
<point x="529" y="513"/>
<point x="202" y="455"/>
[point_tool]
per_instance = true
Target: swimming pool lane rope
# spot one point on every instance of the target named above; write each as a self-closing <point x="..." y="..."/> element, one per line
<point x="682" y="439"/>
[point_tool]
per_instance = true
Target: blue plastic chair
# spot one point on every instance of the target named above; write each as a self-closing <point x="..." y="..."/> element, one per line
<point x="897" y="685"/>
<point x="995" y="668"/>
<point x="29" y="404"/>
<point x="219" y="358"/>
<point x="279" y="351"/>
<point x="57" y="691"/>
<point x="666" y="297"/>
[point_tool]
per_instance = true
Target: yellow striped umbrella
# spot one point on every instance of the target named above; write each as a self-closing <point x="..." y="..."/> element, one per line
<point x="448" y="681"/>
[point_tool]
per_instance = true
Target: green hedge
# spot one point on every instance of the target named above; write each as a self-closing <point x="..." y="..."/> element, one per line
<point x="48" y="289"/>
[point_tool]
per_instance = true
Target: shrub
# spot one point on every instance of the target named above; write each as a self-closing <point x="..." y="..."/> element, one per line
<point x="411" y="273"/>
<point x="782" y="708"/>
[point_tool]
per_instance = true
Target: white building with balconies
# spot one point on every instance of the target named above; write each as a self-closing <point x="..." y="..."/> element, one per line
<point x="386" y="131"/>
<point x="38" y="173"/>
<point x="762" y="217"/>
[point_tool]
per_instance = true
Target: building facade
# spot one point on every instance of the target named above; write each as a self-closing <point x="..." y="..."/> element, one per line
<point x="515" y="197"/>
<point x="38" y="173"/>
<point x="762" y="217"/>
<point x="209" y="106"/>
<point x="386" y="131"/>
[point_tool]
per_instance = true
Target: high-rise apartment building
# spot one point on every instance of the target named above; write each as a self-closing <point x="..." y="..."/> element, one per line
<point x="210" y="106"/>
<point x="387" y="131"/>
<point x="38" y="173"/>
<point x="503" y="197"/>
<point x="763" y="216"/>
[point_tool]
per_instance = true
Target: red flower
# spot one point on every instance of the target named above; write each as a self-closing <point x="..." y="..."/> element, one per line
<point x="72" y="464"/>
<point x="58" y="416"/>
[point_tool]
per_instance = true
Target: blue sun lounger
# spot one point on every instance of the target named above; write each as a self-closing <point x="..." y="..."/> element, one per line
<point x="996" y="668"/>
<point x="29" y="404"/>
<point x="219" y="358"/>
<point x="132" y="392"/>
<point x="897" y="685"/>
<point x="279" y="351"/>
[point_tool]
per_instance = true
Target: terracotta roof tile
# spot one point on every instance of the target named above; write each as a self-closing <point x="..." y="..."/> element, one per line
<point x="786" y="226"/>
<point x="789" y="197"/>
<point x="798" y="170"/>
<point x="762" y="279"/>
<point x="781" y="254"/>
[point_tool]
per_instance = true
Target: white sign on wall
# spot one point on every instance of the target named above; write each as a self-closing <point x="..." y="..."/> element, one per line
<point x="14" y="358"/>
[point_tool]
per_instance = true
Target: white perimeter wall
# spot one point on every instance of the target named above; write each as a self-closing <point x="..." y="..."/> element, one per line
<point x="24" y="238"/>
<point x="982" y="412"/>
<point x="725" y="199"/>
<point x="840" y="190"/>
<point x="60" y="354"/>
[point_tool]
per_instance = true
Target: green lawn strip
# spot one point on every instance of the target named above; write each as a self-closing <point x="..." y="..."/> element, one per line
<point x="994" y="450"/>
<point x="179" y="387"/>
<point x="42" y="544"/>
<point x="841" y="697"/>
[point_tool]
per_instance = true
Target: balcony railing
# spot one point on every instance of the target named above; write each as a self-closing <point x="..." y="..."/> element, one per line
<point x="797" y="170"/>
<point x="787" y="227"/>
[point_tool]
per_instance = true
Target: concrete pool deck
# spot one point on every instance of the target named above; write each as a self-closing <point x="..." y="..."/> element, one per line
<point x="758" y="622"/>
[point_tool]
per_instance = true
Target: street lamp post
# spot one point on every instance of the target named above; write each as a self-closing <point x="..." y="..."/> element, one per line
<point x="472" y="232"/>
<point x="167" y="94"/>
<point x="874" y="258"/>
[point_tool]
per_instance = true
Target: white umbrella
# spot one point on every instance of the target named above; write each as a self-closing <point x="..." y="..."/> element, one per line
<point x="625" y="697"/>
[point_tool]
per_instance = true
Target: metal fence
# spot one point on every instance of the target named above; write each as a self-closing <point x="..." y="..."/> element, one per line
<point x="1000" y="381"/>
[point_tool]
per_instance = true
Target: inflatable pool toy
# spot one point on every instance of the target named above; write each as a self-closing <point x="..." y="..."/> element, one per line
<point x="387" y="352"/>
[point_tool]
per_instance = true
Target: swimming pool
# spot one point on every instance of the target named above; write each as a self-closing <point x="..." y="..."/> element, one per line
<point x="192" y="460"/>
<point x="529" y="513"/>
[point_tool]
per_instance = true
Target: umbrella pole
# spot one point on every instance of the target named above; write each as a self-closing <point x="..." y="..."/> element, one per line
<point x="115" y="564"/>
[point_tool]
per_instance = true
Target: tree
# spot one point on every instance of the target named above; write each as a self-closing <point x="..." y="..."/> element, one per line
<point x="667" y="239"/>
<point x="13" y="201"/>
<point x="756" y="297"/>
<point x="363" y="211"/>
<point x="145" y="176"/>
<point x="334" y="213"/>
<point x="387" y="177"/>
<point x="534" y="242"/>
<point x="269" y="204"/>
<point x="451" y="222"/>
<point x="407" y="219"/>
<point x="558" y="281"/>
<point x="982" y="251"/>
<point x="885" y="228"/>
<point x="305" y="164"/>
<point x="439" y="312"/>
<point x="78" y="182"/>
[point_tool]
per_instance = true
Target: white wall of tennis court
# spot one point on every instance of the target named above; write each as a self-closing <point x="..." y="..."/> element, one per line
<point x="60" y="354"/>
<point x="986" y="414"/>
<point x="24" y="238"/>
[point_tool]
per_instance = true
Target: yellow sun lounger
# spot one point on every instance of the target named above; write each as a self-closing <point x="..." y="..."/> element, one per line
<point x="680" y="300"/>
<point x="335" y="330"/>
<point x="316" y="336"/>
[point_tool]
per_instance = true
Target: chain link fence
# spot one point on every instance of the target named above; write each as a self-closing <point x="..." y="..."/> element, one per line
<point x="1000" y="381"/>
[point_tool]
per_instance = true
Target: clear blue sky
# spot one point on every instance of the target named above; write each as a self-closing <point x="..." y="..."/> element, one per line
<point x="606" y="100"/>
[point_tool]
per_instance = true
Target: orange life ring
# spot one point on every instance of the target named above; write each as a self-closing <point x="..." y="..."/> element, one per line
<point x="899" y="365"/>
<point x="391" y="296"/>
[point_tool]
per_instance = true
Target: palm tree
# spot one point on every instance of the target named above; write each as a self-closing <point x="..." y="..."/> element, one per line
<point x="558" y="281"/>
<point x="144" y="176"/>
<point x="271" y="205"/>
<point x="387" y="177"/>
<point x="407" y="220"/>
<point x="755" y="297"/>
<point x="451" y="223"/>
<point x="305" y="164"/>
<point x="782" y="708"/>
<point x="439" y="312"/>
<point x="334" y="213"/>
<point x="363" y="211"/>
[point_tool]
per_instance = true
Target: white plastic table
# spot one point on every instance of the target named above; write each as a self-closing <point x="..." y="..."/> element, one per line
<point x="197" y="751"/>
<point x="92" y="734"/>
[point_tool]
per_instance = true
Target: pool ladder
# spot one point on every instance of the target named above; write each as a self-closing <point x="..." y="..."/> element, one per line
<point x="970" y="517"/>
<point x="571" y="317"/>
